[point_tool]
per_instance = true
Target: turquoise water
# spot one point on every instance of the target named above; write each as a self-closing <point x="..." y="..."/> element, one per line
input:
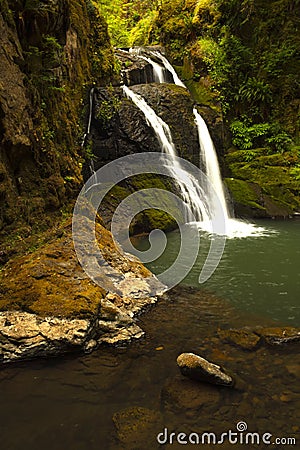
<point x="257" y="274"/>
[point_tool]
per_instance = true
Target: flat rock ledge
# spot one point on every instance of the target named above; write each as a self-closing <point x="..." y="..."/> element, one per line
<point x="25" y="335"/>
<point x="199" y="369"/>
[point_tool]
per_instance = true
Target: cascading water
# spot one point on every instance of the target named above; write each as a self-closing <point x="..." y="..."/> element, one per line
<point x="88" y="128"/>
<point x="168" y="66"/>
<point x="158" y="71"/>
<point x="214" y="207"/>
<point x="214" y="188"/>
<point x="191" y="192"/>
<point x="86" y="135"/>
<point x="209" y="161"/>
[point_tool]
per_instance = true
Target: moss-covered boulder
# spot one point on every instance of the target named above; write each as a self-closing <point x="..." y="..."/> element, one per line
<point x="51" y="282"/>
<point x="263" y="184"/>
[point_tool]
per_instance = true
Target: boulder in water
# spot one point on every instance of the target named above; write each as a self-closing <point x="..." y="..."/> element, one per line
<point x="197" y="368"/>
<point x="279" y="335"/>
<point x="245" y="339"/>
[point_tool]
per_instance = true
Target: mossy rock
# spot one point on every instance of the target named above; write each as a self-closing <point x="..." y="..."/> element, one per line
<point x="244" y="193"/>
<point x="150" y="218"/>
<point x="51" y="282"/>
<point x="264" y="181"/>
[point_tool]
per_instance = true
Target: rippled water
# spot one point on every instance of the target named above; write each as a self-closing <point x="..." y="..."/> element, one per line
<point x="69" y="403"/>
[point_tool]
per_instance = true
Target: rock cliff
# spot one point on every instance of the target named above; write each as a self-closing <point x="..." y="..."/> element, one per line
<point x="51" y="52"/>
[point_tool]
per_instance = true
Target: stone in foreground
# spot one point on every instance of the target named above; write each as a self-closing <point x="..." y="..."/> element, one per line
<point x="197" y="368"/>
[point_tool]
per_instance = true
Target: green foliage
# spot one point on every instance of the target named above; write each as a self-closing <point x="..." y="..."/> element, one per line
<point x="295" y="172"/>
<point x="108" y="109"/>
<point x="128" y="22"/>
<point x="246" y="135"/>
<point x="88" y="150"/>
<point x="254" y="91"/>
<point x="140" y="34"/>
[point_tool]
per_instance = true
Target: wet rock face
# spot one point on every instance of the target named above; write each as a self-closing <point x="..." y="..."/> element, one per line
<point x="199" y="369"/>
<point x="134" y="70"/>
<point x="43" y="57"/>
<point x="119" y="128"/>
<point x="174" y="105"/>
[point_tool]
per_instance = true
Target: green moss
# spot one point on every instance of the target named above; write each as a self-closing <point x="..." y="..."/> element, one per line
<point x="200" y="93"/>
<point x="244" y="156"/>
<point x="263" y="175"/>
<point x="243" y="192"/>
<point x="152" y="219"/>
<point x="272" y="175"/>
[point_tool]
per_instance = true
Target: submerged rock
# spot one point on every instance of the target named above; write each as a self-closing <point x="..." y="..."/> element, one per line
<point x="245" y="339"/>
<point x="199" y="369"/>
<point x="279" y="335"/>
<point x="135" y="425"/>
<point x="184" y="394"/>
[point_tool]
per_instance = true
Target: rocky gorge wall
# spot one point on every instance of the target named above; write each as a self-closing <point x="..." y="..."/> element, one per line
<point x="51" y="51"/>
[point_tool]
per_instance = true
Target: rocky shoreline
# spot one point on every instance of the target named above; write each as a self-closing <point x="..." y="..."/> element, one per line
<point x="27" y="336"/>
<point x="50" y="306"/>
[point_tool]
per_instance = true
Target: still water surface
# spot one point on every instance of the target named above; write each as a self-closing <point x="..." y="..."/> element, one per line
<point x="256" y="274"/>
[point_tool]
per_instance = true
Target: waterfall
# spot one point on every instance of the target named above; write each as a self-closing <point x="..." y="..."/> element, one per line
<point x="191" y="192"/>
<point x="168" y="66"/>
<point x="206" y="202"/>
<point x="209" y="160"/>
<point x="215" y="191"/>
<point x="88" y="128"/>
<point x="158" y="70"/>
<point x="86" y="135"/>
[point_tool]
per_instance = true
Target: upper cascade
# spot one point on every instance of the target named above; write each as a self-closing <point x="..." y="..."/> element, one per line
<point x="143" y="65"/>
<point x="204" y="198"/>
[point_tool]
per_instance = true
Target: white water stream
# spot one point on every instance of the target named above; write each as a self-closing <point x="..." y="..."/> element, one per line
<point x="208" y="205"/>
<point x="191" y="192"/>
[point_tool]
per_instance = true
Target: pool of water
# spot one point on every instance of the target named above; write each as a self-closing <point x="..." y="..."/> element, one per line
<point x="257" y="274"/>
<point x="89" y="402"/>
